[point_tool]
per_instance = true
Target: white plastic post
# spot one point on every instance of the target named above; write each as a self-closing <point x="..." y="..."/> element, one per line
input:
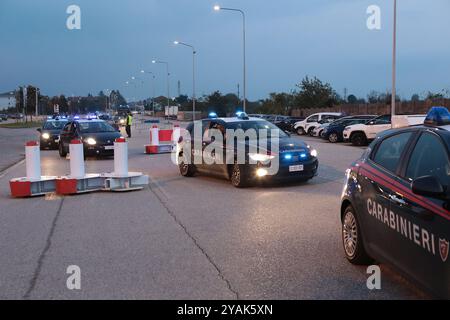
<point x="154" y="136"/>
<point x="121" y="157"/>
<point x="76" y="159"/>
<point x="33" y="160"/>
<point x="176" y="133"/>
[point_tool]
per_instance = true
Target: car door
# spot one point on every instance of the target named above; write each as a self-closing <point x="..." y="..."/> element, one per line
<point x="379" y="171"/>
<point x="213" y="153"/>
<point x="423" y="232"/>
<point x="311" y="122"/>
<point x="65" y="135"/>
<point x="378" y="125"/>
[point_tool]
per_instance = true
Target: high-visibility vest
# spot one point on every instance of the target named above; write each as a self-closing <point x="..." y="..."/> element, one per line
<point x="129" y="120"/>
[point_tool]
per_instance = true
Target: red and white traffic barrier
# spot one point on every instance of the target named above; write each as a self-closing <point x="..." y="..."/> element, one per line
<point x="78" y="181"/>
<point x="160" y="141"/>
<point x="121" y="179"/>
<point x="33" y="184"/>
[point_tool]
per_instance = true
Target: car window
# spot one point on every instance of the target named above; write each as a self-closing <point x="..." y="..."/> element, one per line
<point x="93" y="127"/>
<point x="313" y="119"/>
<point x="67" y="127"/>
<point x="390" y="151"/>
<point x="54" y="125"/>
<point x="429" y="158"/>
<point x="382" y="120"/>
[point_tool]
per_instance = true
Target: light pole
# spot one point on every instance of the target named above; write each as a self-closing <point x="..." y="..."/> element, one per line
<point x="153" y="88"/>
<point x="218" y="8"/>
<point x="194" y="52"/>
<point x="168" y="83"/>
<point x="394" y="61"/>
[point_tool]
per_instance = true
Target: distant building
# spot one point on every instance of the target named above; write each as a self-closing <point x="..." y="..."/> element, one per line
<point x="7" y="100"/>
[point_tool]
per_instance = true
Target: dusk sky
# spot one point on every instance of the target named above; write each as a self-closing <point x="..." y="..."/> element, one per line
<point x="286" y="40"/>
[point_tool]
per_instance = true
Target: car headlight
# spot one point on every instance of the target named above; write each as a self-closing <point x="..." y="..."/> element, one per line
<point x="45" y="136"/>
<point x="313" y="153"/>
<point x="91" y="141"/>
<point x="260" y="157"/>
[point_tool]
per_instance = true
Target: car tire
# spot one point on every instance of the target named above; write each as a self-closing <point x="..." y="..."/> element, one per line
<point x="310" y="131"/>
<point x="359" y="139"/>
<point x="62" y="152"/>
<point x="333" y="137"/>
<point x="352" y="240"/>
<point x="239" y="176"/>
<point x="186" y="170"/>
<point x="300" y="131"/>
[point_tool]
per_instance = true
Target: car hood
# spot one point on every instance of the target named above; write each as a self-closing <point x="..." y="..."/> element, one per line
<point x="51" y="131"/>
<point x="102" y="136"/>
<point x="286" y="144"/>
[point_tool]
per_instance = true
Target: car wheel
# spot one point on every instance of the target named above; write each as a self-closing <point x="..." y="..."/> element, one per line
<point x="239" y="177"/>
<point x="352" y="240"/>
<point x="300" y="131"/>
<point x="186" y="170"/>
<point x="333" y="138"/>
<point x="62" y="152"/>
<point x="358" y="139"/>
<point x="310" y="131"/>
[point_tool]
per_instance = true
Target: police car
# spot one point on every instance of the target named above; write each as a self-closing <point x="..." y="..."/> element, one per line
<point x="244" y="160"/>
<point x="49" y="133"/>
<point x="396" y="201"/>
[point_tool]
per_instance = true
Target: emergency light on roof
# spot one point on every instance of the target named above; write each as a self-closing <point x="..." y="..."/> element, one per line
<point x="437" y="116"/>
<point x="212" y="115"/>
<point x="242" y="115"/>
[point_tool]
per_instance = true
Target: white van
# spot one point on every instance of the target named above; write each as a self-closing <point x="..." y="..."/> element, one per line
<point x="307" y="126"/>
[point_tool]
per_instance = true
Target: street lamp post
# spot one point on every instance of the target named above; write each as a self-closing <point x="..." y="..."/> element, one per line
<point x="153" y="88"/>
<point x="394" y="61"/>
<point x="194" y="52"/>
<point x="218" y="8"/>
<point x="168" y="82"/>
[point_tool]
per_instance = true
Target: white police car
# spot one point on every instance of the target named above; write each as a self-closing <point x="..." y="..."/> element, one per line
<point x="396" y="201"/>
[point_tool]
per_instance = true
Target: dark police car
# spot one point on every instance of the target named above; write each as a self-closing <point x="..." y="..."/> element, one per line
<point x="396" y="201"/>
<point x="49" y="133"/>
<point x="292" y="158"/>
<point x="97" y="137"/>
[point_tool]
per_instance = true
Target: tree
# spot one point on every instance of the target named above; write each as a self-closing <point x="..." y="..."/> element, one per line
<point x="315" y="94"/>
<point x="415" y="97"/>
<point x="352" y="99"/>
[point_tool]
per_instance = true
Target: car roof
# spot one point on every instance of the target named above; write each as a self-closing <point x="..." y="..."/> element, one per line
<point x="235" y="119"/>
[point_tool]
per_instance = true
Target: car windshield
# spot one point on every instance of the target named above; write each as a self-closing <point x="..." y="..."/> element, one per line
<point x="95" y="126"/>
<point x="54" y="125"/>
<point x="257" y="126"/>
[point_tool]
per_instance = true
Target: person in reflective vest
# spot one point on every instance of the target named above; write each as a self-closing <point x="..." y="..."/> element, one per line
<point x="128" y="124"/>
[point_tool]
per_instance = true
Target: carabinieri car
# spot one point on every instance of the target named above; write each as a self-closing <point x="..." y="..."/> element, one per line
<point x="49" y="133"/>
<point x="396" y="201"/>
<point x="294" y="159"/>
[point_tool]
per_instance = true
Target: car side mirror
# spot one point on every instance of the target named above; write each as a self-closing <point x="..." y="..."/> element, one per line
<point x="428" y="186"/>
<point x="39" y="129"/>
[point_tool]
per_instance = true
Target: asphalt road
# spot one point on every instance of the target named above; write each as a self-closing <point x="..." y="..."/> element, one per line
<point x="12" y="143"/>
<point x="185" y="238"/>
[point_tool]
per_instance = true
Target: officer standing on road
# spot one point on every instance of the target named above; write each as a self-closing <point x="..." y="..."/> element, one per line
<point x="128" y="124"/>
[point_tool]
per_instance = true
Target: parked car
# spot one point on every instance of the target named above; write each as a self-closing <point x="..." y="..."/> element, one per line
<point x="307" y="126"/>
<point x="361" y="134"/>
<point x="3" y="116"/>
<point x="287" y="123"/>
<point x="334" y="132"/>
<point x="318" y="131"/>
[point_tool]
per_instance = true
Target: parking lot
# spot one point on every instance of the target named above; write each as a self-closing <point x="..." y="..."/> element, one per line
<point x="184" y="238"/>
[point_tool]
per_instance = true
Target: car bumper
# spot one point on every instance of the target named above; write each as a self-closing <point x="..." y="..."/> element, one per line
<point x="51" y="143"/>
<point x="103" y="151"/>
<point x="310" y="168"/>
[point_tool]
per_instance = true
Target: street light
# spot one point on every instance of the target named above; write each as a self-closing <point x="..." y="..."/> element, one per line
<point x="193" y="73"/>
<point x="394" y="61"/>
<point x="168" y="74"/>
<point x="218" y="8"/>
<point x="153" y="88"/>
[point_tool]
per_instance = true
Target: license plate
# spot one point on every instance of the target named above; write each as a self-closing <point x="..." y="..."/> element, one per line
<point x="109" y="147"/>
<point x="296" y="168"/>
